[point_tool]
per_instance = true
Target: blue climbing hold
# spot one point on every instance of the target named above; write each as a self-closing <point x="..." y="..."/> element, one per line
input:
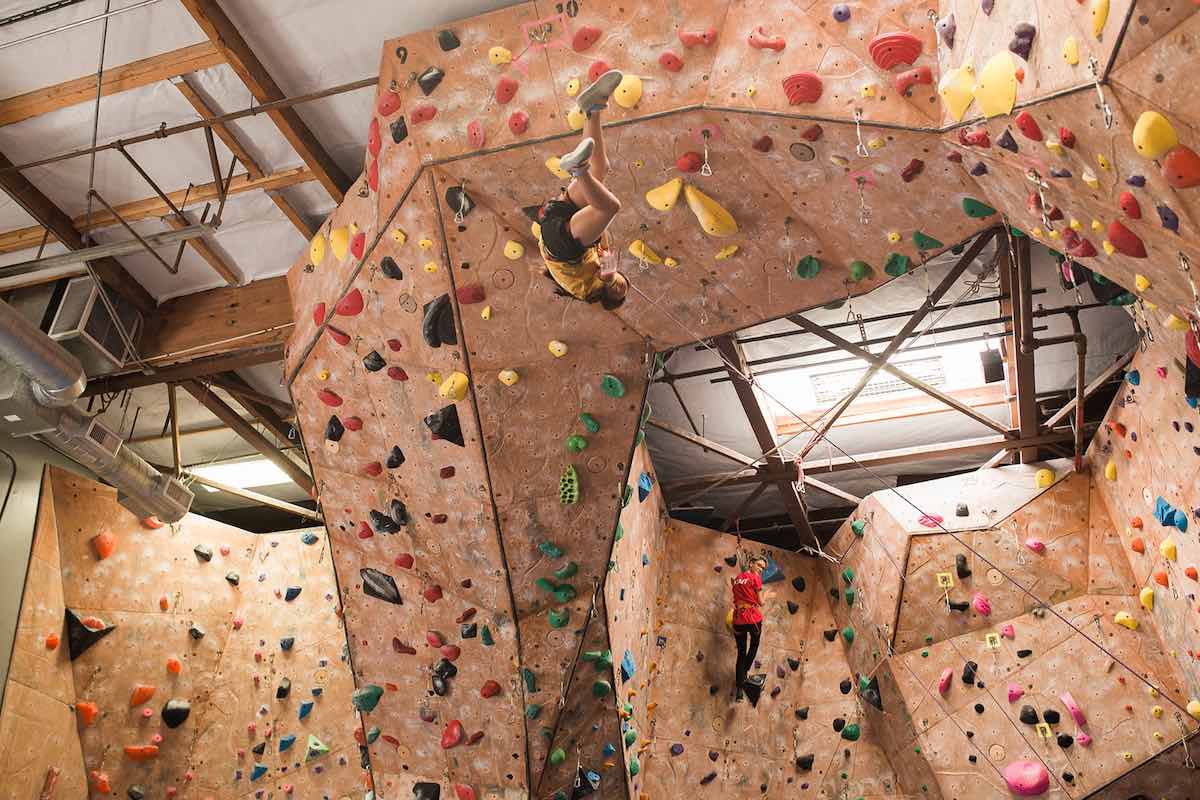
<point x="645" y="484"/>
<point x="773" y="572"/>
<point x="292" y="593"/>
<point x="645" y="560"/>
<point x="258" y="771"/>
<point x="1134" y="377"/>
<point x="286" y="742"/>
<point x="306" y="708"/>
<point x="609" y="750"/>
<point x="1179" y="520"/>
<point x="308" y="537"/>
<point x="1164" y="512"/>
<point x="1168" y="218"/>
<point x="286" y="643"/>
<point x="628" y="668"/>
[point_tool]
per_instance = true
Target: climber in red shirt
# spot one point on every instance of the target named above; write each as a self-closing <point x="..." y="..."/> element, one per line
<point x="747" y="617"/>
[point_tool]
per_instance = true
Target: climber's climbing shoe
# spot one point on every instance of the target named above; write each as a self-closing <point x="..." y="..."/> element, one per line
<point x="595" y="96"/>
<point x="575" y="162"/>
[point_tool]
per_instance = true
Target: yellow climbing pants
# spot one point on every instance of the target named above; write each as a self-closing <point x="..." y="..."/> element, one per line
<point x="581" y="279"/>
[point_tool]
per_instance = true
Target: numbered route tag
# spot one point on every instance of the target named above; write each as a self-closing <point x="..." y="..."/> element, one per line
<point x="992" y="641"/>
<point x="1043" y="730"/>
<point x="945" y="580"/>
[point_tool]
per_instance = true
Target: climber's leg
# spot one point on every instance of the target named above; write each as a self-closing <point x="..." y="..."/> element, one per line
<point x="597" y="205"/>
<point x="741" y="635"/>
<point x="752" y="649"/>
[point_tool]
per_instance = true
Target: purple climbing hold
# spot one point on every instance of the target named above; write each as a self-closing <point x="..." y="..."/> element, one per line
<point x="947" y="27"/>
<point x="979" y="169"/>
<point x="676" y="749"/>
<point x="841" y="12"/>
<point x="1169" y="219"/>
<point x="1136" y="180"/>
<point x="1022" y="41"/>
<point x="713" y="755"/>
<point x="1059" y="172"/>
<point x="987" y="6"/>
<point x="1007" y="141"/>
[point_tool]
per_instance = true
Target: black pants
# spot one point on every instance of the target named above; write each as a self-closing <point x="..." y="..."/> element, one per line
<point x="747" y="637"/>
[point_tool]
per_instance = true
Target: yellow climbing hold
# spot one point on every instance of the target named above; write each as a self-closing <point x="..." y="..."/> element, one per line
<point x="1167" y="549"/>
<point x="425" y="244"/>
<point x="434" y="377"/>
<point x="499" y="56"/>
<point x="339" y="242"/>
<point x="629" y="91"/>
<point x="867" y="90"/>
<point x="454" y="387"/>
<point x="839" y="161"/>
<point x="1097" y="225"/>
<point x="996" y="90"/>
<point x="670" y="262"/>
<point x="399" y="236"/>
<point x="957" y="89"/>
<point x="1125" y="619"/>
<point x="536" y="230"/>
<point x="1152" y="691"/>
<point x="714" y="219"/>
<point x="1110" y="470"/>
<point x="576" y="118"/>
<point x="1075" y="224"/>
<point x="1141" y="282"/>
<point x="725" y="252"/>
<point x="1038" y="232"/>
<point x="1102" y="160"/>
<point x="316" y="249"/>
<point x="508" y="376"/>
<point x="552" y="165"/>
<point x="894" y="237"/>
<point x="573" y="87"/>
<point x="1157" y="711"/>
<point x="1054" y="145"/>
<point x="1146" y="598"/>
<point x="876" y="144"/>
<point x="642" y="252"/>
<point x="638" y="164"/>
<point x="1175" y="323"/>
<point x="1099" y="16"/>
<point x="557" y="349"/>
<point x="1090" y="179"/>
<point x="1153" y="135"/>
<point x="664" y="197"/>
<point x="323" y="375"/>
<point x="1044" y="478"/>
<point x="1193" y="708"/>
<point x="513" y="250"/>
<point x="486" y="313"/>
<point x="1053" y="234"/>
<point x="751" y="91"/>
<point x="1108" y="247"/>
<point x="1070" y="51"/>
<point x="431" y="266"/>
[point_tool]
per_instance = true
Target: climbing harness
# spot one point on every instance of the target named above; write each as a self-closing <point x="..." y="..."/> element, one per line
<point x="861" y="149"/>
<point x="1094" y="67"/>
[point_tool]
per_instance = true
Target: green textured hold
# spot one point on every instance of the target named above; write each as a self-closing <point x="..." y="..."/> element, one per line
<point x="373" y="734"/>
<point x="533" y="710"/>
<point x="630" y="736"/>
<point x="545" y="584"/>
<point x="564" y="593"/>
<point x="808" y="267"/>
<point x="849" y="594"/>
<point x="315" y="748"/>
<point x="848" y="575"/>
<point x="851" y="732"/>
<point x="860" y="270"/>
<point x="557" y="756"/>
<point x="568" y="488"/>
<point x="1017" y="232"/>
<point x="628" y="707"/>
<point x="620" y="533"/>
<point x="897" y="264"/>
<point x="858" y="526"/>
<point x="568" y="570"/>
<point x="485" y="635"/>
<point x="975" y="209"/>
<point x="601" y="688"/>
<point x="529" y="678"/>
<point x="576" y="443"/>
<point x="924" y="241"/>
<point x="366" y="698"/>
<point x="628" y="493"/>
<point x="848" y="634"/>
<point x="589" y="422"/>
<point x="559" y="617"/>
<point x="864" y="683"/>
<point x="550" y="549"/>
<point x="611" y="385"/>
<point x="634" y="767"/>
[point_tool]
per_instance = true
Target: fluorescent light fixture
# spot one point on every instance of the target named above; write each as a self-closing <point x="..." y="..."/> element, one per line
<point x="243" y="474"/>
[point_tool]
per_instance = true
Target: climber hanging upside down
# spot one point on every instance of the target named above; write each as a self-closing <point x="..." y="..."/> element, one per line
<point x="572" y="225"/>
<point x="747" y="618"/>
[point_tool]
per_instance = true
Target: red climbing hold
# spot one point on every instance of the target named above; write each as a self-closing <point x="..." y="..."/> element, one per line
<point x="802" y="87"/>
<point x="812" y="133"/>
<point x="341" y="337"/>
<point x="329" y="398"/>
<point x="955" y="157"/>
<point x="374" y="142"/>
<point x="104" y="543"/>
<point x="475" y="737"/>
<point x="913" y="169"/>
<point x="351" y="304"/>
<point x="405" y="561"/>
<point x="670" y="61"/>
<point x="352" y="423"/>
<point x="397" y="374"/>
<point x="453" y="735"/>
<point x="389" y="103"/>
<point x="52" y="641"/>
<point x="889" y="49"/>
<point x="1129" y="205"/>
<point x="1161" y="578"/>
<point x="489" y="689"/>
<point x="100" y="783"/>
<point x="475" y="136"/>
<point x="450" y="652"/>
<point x="763" y="144"/>
<point x="1066" y="137"/>
<point x="597" y="69"/>
<point x="506" y="89"/>
<point x="434" y="639"/>
<point x="446" y="472"/>
<point x="394" y="345"/>
<point x="696" y="38"/>
<point x="690" y="161"/>
<point x="373" y="175"/>
<point x="422" y="113"/>
<point x="174" y="665"/>
<point x="1191" y="573"/>
<point x="432" y="593"/>
<point x="1029" y="127"/>
<point x="759" y="40"/>
<point x="358" y="245"/>
<point x="1125" y="241"/>
<point x="140" y="694"/>
<point x="373" y="470"/>
<point x="402" y="648"/>
<point x="1136" y="522"/>
<point x="463" y="792"/>
<point x="518" y="122"/>
<point x="977" y="137"/>
<point x="906" y="80"/>
<point x="364" y="531"/>
<point x="318" y="313"/>
<point x="585" y="37"/>
<point x="141" y="752"/>
<point x="470" y="294"/>
<point x="1181" y="167"/>
<point x="1081" y="247"/>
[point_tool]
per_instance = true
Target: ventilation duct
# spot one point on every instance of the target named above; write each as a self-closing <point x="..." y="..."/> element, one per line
<point x="39" y="383"/>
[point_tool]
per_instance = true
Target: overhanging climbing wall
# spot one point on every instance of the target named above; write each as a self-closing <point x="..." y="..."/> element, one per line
<point x="445" y="392"/>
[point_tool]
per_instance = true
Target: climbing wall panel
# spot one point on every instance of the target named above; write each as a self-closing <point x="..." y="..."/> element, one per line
<point x="1158" y="74"/>
<point x="1109" y="571"/>
<point x="1151" y="438"/>
<point x="1149" y="24"/>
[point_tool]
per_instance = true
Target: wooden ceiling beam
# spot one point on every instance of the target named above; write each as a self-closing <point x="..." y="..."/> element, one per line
<point x="221" y="31"/>
<point x="123" y="78"/>
<point x="197" y="368"/>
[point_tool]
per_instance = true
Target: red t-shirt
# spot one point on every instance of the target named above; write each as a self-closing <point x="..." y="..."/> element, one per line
<point x="746" y="601"/>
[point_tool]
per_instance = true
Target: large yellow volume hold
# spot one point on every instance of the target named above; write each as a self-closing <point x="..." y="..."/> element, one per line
<point x="629" y="91"/>
<point x="552" y="164"/>
<point x="339" y="242"/>
<point x="996" y="90"/>
<point x="1193" y="708"/>
<point x="957" y="89"/>
<point x="1153" y="135"/>
<point x="714" y="219"/>
<point x="664" y="197"/>
<point x="316" y="249"/>
<point x="642" y="252"/>
<point x="454" y="387"/>
<point x="1099" y="16"/>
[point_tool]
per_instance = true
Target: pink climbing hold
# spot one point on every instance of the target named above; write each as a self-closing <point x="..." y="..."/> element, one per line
<point x="329" y="398"/>
<point x="1078" y="246"/>
<point x="944" y="680"/>
<point x="1160" y="372"/>
<point x="489" y="689"/>
<point x="452" y="736"/>
<point x="422" y="113"/>
<point x="585" y="37"/>
<point x="763" y="144"/>
<point x="921" y="76"/>
<point x="1036" y="545"/>
<point x="597" y="69"/>
<point x="434" y="639"/>
<point x="1015" y="693"/>
<point x="1008" y="631"/>
<point x="464" y="792"/>
<point x="518" y="122"/>
<point x="914" y="168"/>
<point x="450" y="652"/>
<point x="690" y="161"/>
<point x="351" y="304"/>
<point x="506" y="89"/>
<point x="1073" y="708"/>
<point x="374" y="142"/>
<point x="432" y="593"/>
<point x="803" y="87"/>
<point x="1027" y="778"/>
<point x="318" y="313"/>
<point x="889" y="49"/>
<point x="353" y="423"/>
<point x="697" y="38"/>
<point x="931" y="520"/>
<point x="475" y="136"/>
<point x="405" y="560"/>
<point x="1029" y="127"/>
<point x="759" y="40"/>
<point x="389" y="103"/>
<point x="373" y="470"/>
<point x="980" y="603"/>
<point x="1083" y="738"/>
<point x="397" y="374"/>
<point x="977" y="137"/>
<point x="670" y="61"/>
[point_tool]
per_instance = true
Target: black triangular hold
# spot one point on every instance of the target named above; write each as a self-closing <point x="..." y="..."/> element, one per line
<point x="437" y="326"/>
<point x="334" y="429"/>
<point x="792" y="607"/>
<point x="444" y="425"/>
<point x="429" y="79"/>
<point x="459" y="201"/>
<point x="399" y="130"/>
<point x="871" y="693"/>
<point x="805" y="762"/>
<point x="373" y="362"/>
<point x="731" y="560"/>
<point x="447" y="41"/>
<point x="380" y="585"/>
<point x="533" y="212"/>
<point x="80" y="637"/>
<point x="423" y="790"/>
<point x="382" y="523"/>
<point x="259" y="748"/>
<point x="391" y="269"/>
<point x="753" y="688"/>
<point x="798" y="583"/>
<point x="586" y="783"/>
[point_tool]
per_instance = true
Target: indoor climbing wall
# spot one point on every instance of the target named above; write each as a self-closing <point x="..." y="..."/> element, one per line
<point x="198" y="659"/>
<point x="472" y="432"/>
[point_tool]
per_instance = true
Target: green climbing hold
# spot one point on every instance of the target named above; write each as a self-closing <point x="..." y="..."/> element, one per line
<point x="373" y="734"/>
<point x="858" y="526"/>
<point x="568" y="570"/>
<point x="601" y="658"/>
<point x="315" y="749"/>
<point x="611" y="385"/>
<point x="366" y="698"/>
<point x="928" y="639"/>
<point x="559" y="617"/>
<point x="975" y="209"/>
<point x="485" y="636"/>
<point x="860" y="270"/>
<point x="630" y="736"/>
<point x="924" y="241"/>
<point x="550" y="549"/>
<point x="851" y="732"/>
<point x="808" y="267"/>
<point x="848" y="634"/>
<point x="639" y="437"/>
<point x="568" y="488"/>
<point x="564" y="593"/>
<point x="634" y="767"/>
<point x="864" y="683"/>
<point x="897" y="264"/>
<point x="533" y="710"/>
<point x="601" y="688"/>
<point x="558" y="756"/>
<point x="848" y="575"/>
<point x="589" y="422"/>
<point x="1017" y="232"/>
<point x="628" y="493"/>
<point x="620" y="533"/>
<point x="958" y="249"/>
<point x="545" y="584"/>
<point x="849" y="594"/>
<point x="529" y="678"/>
<point x="576" y="443"/>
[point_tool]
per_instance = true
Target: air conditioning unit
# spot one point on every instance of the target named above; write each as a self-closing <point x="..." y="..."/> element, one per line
<point x="83" y="326"/>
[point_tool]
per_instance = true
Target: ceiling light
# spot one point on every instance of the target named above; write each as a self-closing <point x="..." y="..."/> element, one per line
<point x="243" y="474"/>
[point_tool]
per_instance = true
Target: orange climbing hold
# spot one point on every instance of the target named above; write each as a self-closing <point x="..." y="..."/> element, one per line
<point x="87" y="711"/>
<point x="163" y="603"/>
<point x="1125" y="241"/>
<point x="597" y="69"/>
<point x="141" y="752"/>
<point x="1161" y="579"/>
<point x="1130" y="205"/>
<point x="1191" y="573"/>
<point x="140" y="694"/>
<point x="670" y="61"/>
<point x="698" y="38"/>
<point x="1181" y="167"/>
<point x="152" y="523"/>
<point x="889" y="49"/>
<point x="104" y="543"/>
<point x="914" y="77"/>
<point x="585" y="37"/>
<point x="690" y="161"/>
<point x="759" y="40"/>
<point x="802" y="87"/>
<point x="174" y="666"/>
<point x="1136" y="522"/>
<point x="52" y="641"/>
<point x="100" y="783"/>
<point x="1138" y="545"/>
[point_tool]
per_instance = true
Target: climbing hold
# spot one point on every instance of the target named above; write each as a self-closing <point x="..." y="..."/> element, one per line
<point x="380" y="585"/>
<point x="140" y="694"/>
<point x="452" y="735"/>
<point x="576" y="443"/>
<point x="1193" y="708"/>
<point x="1015" y="693"/>
<point x="1027" y="778"/>
<point x="695" y="38"/>
<point x="760" y="40"/>
<point x="714" y="219"/>
<point x="454" y="387"/>
<point x="1022" y="41"/>
<point x="808" y="267"/>
<point x="924" y="241"/>
<point x="339" y="242"/>
<point x="612" y="386"/>
<point x="1028" y="126"/>
<point x="1099" y="13"/>
<point x="499" y="56"/>
<point x="568" y="487"/>
<point x="506" y="89"/>
<point x="366" y="698"/>
<point x="802" y="87"/>
<point x="1006" y="141"/>
<point x="444" y="425"/>
<point x="670" y="61"/>
<point x="508" y="376"/>
<point x="559" y="617"/>
<point x="664" y="197"/>
<point x="1146" y="598"/>
<point x="975" y="209"/>
<point x="957" y="88"/>
<point x="980" y="603"/>
<point x="851" y="732"/>
<point x="763" y="144"/>
<point x="642" y="252"/>
<point x="1168" y="218"/>
<point x="725" y="252"/>
<point x="1153" y="135"/>
<point x="947" y="27"/>
<point x="897" y="264"/>
<point x="857" y="526"/>
<point x="1125" y="241"/>
<point x="585" y="37"/>
<point x="1110" y="470"/>
<point x="889" y="49"/>
<point x="1167" y="548"/>
<point x="921" y="76"/>
<point x="996" y="89"/>
<point x="1129" y="205"/>
<point x="912" y="170"/>
<point x="1070" y="51"/>
<point x="1036" y="545"/>
<point x="1124" y="618"/>
<point x="518" y="122"/>
<point x="316" y="250"/>
<point x="141" y="752"/>
<point x="945" y="680"/>
<point x="430" y="79"/>
<point x="628" y="91"/>
<point x="960" y="566"/>
<point x="557" y="349"/>
<point x="1181" y="167"/>
<point x="848" y="634"/>
<point x="859" y="270"/>
<point x="1141" y="282"/>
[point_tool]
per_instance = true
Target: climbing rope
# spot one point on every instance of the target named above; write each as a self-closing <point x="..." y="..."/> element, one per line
<point x="1185" y="266"/>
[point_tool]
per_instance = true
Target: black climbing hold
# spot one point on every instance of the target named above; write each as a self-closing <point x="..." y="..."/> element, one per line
<point x="960" y="566"/>
<point x="444" y="425"/>
<point x="203" y="552"/>
<point x="285" y="688"/>
<point x="437" y="327"/>
<point x="445" y="669"/>
<point x="798" y="583"/>
<point x="709" y="778"/>
<point x="979" y="708"/>
<point x="805" y="762"/>
<point x="834" y="593"/>
<point x="1065" y="740"/>
<point x="233" y="578"/>
<point x="830" y="634"/>
<point x="395" y="459"/>
<point x="459" y="201"/>
<point x="871" y="692"/>
<point x="802" y="713"/>
<point x="259" y="748"/>
<point x="845" y="686"/>
<point x="380" y="585"/>
<point x="1069" y="777"/>
<point x="391" y="269"/>
<point x="792" y="607"/>
<point x="533" y="212"/>
<point x="429" y="79"/>
<point x="838" y="724"/>
<point x="80" y="637"/>
<point x="334" y="429"/>
<point x="972" y="758"/>
<point x="793" y="663"/>
<point x="136" y="792"/>
<point x="399" y="130"/>
<point x="1051" y="716"/>
<point x="448" y="41"/>
<point x="424" y="790"/>
<point x="962" y="605"/>
<point x="961" y="510"/>
<point x="399" y="513"/>
<point x="968" y="672"/>
<point x="753" y="688"/>
<point x="196" y="632"/>
<point x="979" y="169"/>
<point x="373" y="362"/>
<point x="731" y="560"/>
<point x="1024" y="653"/>
<point x="440" y="687"/>
<point x="175" y="712"/>
<point x="1007" y="141"/>
<point x="286" y="643"/>
<point x="468" y="630"/>
<point x="382" y="523"/>
<point x="1028" y="715"/>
